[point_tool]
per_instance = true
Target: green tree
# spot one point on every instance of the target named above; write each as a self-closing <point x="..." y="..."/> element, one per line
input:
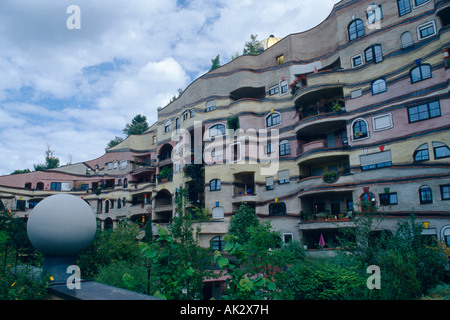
<point x="51" y="161"/>
<point x="241" y="222"/>
<point x="19" y="171"/>
<point x="215" y="63"/>
<point x="251" y="47"/>
<point x="114" y="142"/>
<point x="137" y="126"/>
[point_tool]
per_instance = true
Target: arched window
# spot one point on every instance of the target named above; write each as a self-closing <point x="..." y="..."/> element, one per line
<point x="285" y="148"/>
<point x="210" y="105"/>
<point x="218" y="243"/>
<point x="420" y="73"/>
<point x="355" y="29"/>
<point x="368" y="202"/>
<point x="177" y="124"/>
<point x="273" y="119"/>
<point x="277" y="209"/>
<point x="379" y="86"/>
<point x="440" y="150"/>
<point x="421" y="153"/>
<point x="40" y="186"/>
<point x="216" y="130"/>
<point x="407" y="40"/>
<point x="214" y="185"/>
<point x="374" y="53"/>
<point x="425" y="194"/>
<point x="168" y="126"/>
<point x="359" y="129"/>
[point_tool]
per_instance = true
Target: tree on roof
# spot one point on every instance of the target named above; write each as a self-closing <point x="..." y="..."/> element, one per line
<point x="137" y="126"/>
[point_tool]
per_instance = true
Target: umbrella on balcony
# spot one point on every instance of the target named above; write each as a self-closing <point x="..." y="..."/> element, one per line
<point x="321" y="241"/>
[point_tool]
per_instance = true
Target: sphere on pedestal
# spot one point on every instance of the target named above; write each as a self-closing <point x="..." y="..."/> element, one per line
<point x="61" y="225"/>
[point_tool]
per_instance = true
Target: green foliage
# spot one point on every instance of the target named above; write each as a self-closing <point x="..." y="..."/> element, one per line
<point x="114" y="142"/>
<point x="243" y="219"/>
<point x="137" y="126"/>
<point x="321" y="280"/>
<point x="215" y="63"/>
<point x="108" y="246"/>
<point x="18" y="171"/>
<point x="251" y="47"/>
<point x="51" y="161"/>
<point x="233" y="123"/>
<point x="19" y="284"/>
<point x="124" y="274"/>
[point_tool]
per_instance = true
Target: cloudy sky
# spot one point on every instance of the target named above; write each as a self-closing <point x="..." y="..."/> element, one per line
<point x="75" y="89"/>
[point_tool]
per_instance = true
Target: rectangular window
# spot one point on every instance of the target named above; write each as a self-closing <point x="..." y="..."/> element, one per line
<point x="284" y="86"/>
<point x="404" y="7"/>
<point x="388" y="199"/>
<point x="445" y="192"/>
<point x="274" y="90"/>
<point x="283" y="177"/>
<point x="424" y="111"/>
<point x="280" y="60"/>
<point x="426" y="30"/>
<point x="285" y="149"/>
<point x="382" y="122"/>
<point x="376" y="160"/>
<point x="269" y="183"/>
<point x="357" y="60"/>
<point x="55" y="186"/>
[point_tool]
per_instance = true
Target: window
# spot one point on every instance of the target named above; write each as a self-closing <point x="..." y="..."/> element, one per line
<point x="216" y="130"/>
<point x="211" y="105"/>
<point x="440" y="150"/>
<point x="269" y="183"/>
<point x="274" y="90"/>
<point x="425" y="194"/>
<point x="185" y="115"/>
<point x="388" y="199"/>
<point x="280" y="60"/>
<point x="407" y="40"/>
<point x="191" y="113"/>
<point x="421" y="153"/>
<point x="177" y="124"/>
<point x="217" y="155"/>
<point x="404" y="7"/>
<point x="420" y="2"/>
<point x="374" y="53"/>
<point x="445" y="192"/>
<point x="270" y="148"/>
<point x="374" y="13"/>
<point x="214" y="185"/>
<point x="359" y="129"/>
<point x="357" y="60"/>
<point x="355" y="29"/>
<point x="168" y="126"/>
<point x="217" y="243"/>
<point x="277" y="209"/>
<point x="424" y="111"/>
<point x="273" y="119"/>
<point x="378" y="86"/>
<point x="285" y="148"/>
<point x="426" y="30"/>
<point x="368" y="202"/>
<point x="56" y="186"/>
<point x="420" y="73"/>
<point x="376" y="160"/>
<point x="283" y="177"/>
<point x="284" y="86"/>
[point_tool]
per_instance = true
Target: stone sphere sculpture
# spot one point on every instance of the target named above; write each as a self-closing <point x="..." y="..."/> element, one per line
<point x="61" y="226"/>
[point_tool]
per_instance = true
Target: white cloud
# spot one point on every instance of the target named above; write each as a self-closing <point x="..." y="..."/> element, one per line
<point x="76" y="89"/>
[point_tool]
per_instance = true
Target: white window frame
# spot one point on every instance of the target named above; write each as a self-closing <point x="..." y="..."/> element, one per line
<point x="426" y="25"/>
<point x="357" y="56"/>
<point x="168" y="126"/>
<point x="269" y="115"/>
<point x="352" y="133"/>
<point x="388" y="116"/>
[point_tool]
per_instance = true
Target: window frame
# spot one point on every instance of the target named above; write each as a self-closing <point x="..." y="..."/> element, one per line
<point x="421" y="73"/>
<point x="421" y="148"/>
<point x="387" y="200"/>
<point x="215" y="185"/>
<point x="375" y="55"/>
<point x="425" y="192"/>
<point x="363" y="136"/>
<point x="445" y="192"/>
<point x="437" y="145"/>
<point x="285" y="148"/>
<point x="271" y="115"/>
<point x="419" y="112"/>
<point x="168" y="126"/>
<point x="358" y="56"/>
<point x="277" y="213"/>
<point x="406" y="9"/>
<point x="353" y="35"/>
<point x="379" y="91"/>
<point x="426" y="26"/>
<point x="215" y="127"/>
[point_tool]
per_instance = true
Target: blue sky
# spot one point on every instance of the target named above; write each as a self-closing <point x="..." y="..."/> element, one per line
<point x="76" y="89"/>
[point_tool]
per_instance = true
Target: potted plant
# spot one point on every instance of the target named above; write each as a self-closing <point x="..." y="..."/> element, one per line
<point x="330" y="176"/>
<point x="166" y="173"/>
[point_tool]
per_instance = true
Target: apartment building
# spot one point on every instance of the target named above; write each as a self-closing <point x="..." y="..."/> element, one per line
<point x="308" y="132"/>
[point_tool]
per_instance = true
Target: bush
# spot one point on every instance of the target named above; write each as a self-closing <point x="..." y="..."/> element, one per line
<point x="124" y="274"/>
<point x="18" y="284"/>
